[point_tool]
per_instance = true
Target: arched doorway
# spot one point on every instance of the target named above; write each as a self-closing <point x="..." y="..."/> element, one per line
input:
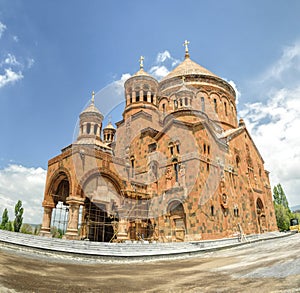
<point x="100" y="215"/>
<point x="177" y="220"/>
<point x="59" y="219"/>
<point x="261" y="216"/>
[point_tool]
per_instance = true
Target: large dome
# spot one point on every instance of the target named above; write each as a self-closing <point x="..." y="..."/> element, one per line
<point x="188" y="67"/>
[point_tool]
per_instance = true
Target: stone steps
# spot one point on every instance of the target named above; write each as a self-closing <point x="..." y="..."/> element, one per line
<point x="128" y="249"/>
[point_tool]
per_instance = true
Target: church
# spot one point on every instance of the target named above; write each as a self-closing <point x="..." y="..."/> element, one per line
<point x="179" y="166"/>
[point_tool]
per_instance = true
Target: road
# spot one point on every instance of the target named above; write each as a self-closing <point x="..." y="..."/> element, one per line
<point x="269" y="266"/>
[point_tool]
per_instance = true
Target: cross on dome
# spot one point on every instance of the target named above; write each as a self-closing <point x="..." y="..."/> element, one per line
<point x="141" y="62"/>
<point x="185" y="44"/>
<point x="93" y="97"/>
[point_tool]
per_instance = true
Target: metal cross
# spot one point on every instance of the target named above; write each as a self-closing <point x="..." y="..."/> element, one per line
<point x="93" y="97"/>
<point x="185" y="44"/>
<point x="141" y="62"/>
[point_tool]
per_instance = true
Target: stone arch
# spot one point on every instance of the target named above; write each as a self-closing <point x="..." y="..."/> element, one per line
<point x="177" y="217"/>
<point x="102" y="195"/>
<point x="261" y="216"/>
<point x="59" y="189"/>
<point x="55" y="179"/>
<point x="103" y="172"/>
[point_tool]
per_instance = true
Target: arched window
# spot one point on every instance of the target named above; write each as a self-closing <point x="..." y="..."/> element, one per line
<point x="95" y="129"/>
<point x="137" y="96"/>
<point x="88" y="128"/>
<point x="175" y="104"/>
<point x="216" y="105"/>
<point x="176" y="168"/>
<point x="236" y="211"/>
<point x="225" y="107"/>
<point x="237" y="161"/>
<point x="212" y="210"/>
<point x="145" y="96"/>
<point x="202" y="104"/>
<point x="171" y="147"/>
<point x="132" y="161"/>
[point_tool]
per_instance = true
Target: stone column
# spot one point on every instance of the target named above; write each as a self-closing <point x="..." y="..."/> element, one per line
<point x="84" y="128"/>
<point x="149" y="97"/>
<point x="133" y="97"/>
<point x="45" y="229"/>
<point x="72" y="229"/>
<point x="122" y="233"/>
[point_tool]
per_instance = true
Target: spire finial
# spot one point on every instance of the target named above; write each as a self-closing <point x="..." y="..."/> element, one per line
<point x="141" y="62"/>
<point x="93" y="97"/>
<point x="185" y="44"/>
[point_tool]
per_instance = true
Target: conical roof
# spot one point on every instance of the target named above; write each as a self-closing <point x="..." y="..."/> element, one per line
<point x="109" y="126"/>
<point x="188" y="67"/>
<point x="91" y="109"/>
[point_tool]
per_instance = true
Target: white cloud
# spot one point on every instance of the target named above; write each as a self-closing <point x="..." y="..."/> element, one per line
<point x="26" y="184"/>
<point x="2" y="28"/>
<point x="11" y="60"/>
<point x="159" y="71"/>
<point x="289" y="60"/>
<point x="10" y="77"/>
<point x="16" y="39"/>
<point x="274" y="121"/>
<point x="162" y="57"/>
<point x="163" y="62"/>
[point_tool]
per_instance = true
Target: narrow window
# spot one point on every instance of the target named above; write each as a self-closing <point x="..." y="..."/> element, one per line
<point x="207" y="167"/>
<point x="208" y="149"/>
<point x="237" y="160"/>
<point x="216" y="106"/>
<point x="175" y="104"/>
<point x="204" y="148"/>
<point x="132" y="167"/>
<point x="176" y="169"/>
<point x="137" y="96"/>
<point x="145" y="96"/>
<point x="202" y="104"/>
<point x="171" y="150"/>
<point x="178" y="148"/>
<point x="236" y="212"/>
<point x="88" y="128"/>
<point x="225" y="107"/>
<point x="152" y="99"/>
<point x="95" y="129"/>
<point x="164" y="107"/>
<point x="186" y="101"/>
<point x="212" y="210"/>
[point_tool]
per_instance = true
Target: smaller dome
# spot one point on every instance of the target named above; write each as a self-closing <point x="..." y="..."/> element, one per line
<point x="109" y="126"/>
<point x="91" y="109"/>
<point x="142" y="72"/>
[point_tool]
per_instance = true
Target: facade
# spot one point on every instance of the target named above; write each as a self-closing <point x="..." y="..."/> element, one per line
<point x="179" y="166"/>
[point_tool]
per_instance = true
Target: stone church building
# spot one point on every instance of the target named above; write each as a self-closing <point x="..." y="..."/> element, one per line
<point x="179" y="166"/>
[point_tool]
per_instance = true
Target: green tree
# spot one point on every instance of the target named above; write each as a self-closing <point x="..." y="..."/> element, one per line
<point x="5" y="219"/>
<point x="26" y="229"/>
<point x="18" y="216"/>
<point x="282" y="210"/>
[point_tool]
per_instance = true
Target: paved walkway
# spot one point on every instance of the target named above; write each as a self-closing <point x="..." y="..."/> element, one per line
<point x="264" y="266"/>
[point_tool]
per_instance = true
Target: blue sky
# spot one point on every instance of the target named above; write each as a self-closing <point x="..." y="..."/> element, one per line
<point x="54" y="53"/>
